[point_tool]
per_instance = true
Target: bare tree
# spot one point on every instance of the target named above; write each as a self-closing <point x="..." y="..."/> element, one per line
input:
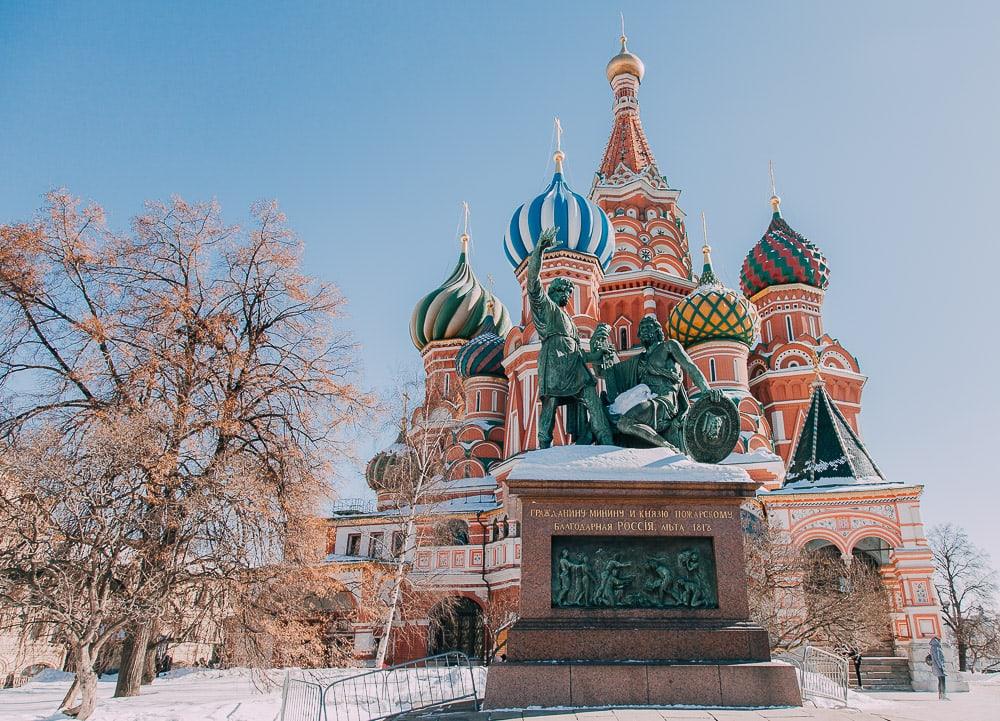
<point x="984" y="640"/>
<point x="801" y="596"/>
<point x="73" y="514"/>
<point x="965" y="583"/>
<point x="410" y="484"/>
<point x="287" y="617"/>
<point x="211" y="334"/>
<point x="501" y="612"/>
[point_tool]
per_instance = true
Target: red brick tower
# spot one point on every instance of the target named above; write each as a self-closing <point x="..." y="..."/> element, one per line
<point x="785" y="276"/>
<point x="650" y="270"/>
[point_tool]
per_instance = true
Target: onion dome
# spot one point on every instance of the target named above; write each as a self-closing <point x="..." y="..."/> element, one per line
<point x="713" y="312"/>
<point x="483" y="355"/>
<point x="583" y="226"/>
<point x="457" y="309"/>
<point x="383" y="469"/>
<point x="625" y="62"/>
<point x="781" y="257"/>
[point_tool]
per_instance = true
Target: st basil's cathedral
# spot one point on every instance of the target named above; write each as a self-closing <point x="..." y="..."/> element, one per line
<point x="625" y="248"/>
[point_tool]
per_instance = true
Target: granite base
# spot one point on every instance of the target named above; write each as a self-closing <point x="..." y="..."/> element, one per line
<point x="569" y="684"/>
<point x="637" y="639"/>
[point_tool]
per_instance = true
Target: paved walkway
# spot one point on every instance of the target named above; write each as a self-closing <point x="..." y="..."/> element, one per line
<point x="982" y="703"/>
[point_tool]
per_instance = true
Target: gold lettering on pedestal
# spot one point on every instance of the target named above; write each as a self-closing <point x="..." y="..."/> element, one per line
<point x="639" y="519"/>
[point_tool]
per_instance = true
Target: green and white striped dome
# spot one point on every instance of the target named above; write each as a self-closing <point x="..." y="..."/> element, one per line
<point x="457" y="309"/>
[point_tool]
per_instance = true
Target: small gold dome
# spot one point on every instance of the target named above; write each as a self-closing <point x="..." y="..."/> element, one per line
<point x="625" y="62"/>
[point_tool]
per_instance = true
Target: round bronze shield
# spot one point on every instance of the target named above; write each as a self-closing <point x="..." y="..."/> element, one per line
<point x="711" y="429"/>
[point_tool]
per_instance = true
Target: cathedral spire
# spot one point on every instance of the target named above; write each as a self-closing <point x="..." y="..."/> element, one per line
<point x="559" y="156"/>
<point x="627" y="146"/>
<point x="775" y="200"/>
<point x="464" y="237"/>
<point x="707" y="272"/>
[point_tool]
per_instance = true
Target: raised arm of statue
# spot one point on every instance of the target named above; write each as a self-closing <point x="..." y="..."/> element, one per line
<point x="681" y="356"/>
<point x="545" y="241"/>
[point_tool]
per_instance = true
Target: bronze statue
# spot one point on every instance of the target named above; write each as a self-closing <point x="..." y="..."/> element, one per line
<point x="648" y="403"/>
<point x="563" y="375"/>
<point x="658" y="419"/>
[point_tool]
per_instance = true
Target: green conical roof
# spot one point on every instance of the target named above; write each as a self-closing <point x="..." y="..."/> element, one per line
<point x="828" y="451"/>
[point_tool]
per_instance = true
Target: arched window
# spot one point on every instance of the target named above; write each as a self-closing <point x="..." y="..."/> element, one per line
<point x="451" y="533"/>
<point x="447" y="384"/>
<point x="711" y="370"/>
<point x="767" y="329"/>
<point x="872" y="551"/>
<point x="788" y="327"/>
<point x="456" y="625"/>
<point x="478" y="401"/>
<point x="736" y="369"/>
<point x="623" y="338"/>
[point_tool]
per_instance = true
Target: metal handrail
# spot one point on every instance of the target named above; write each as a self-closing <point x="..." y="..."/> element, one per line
<point x="382" y="693"/>
<point x="821" y="673"/>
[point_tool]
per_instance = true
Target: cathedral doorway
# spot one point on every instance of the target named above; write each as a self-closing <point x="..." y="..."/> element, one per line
<point x="456" y="625"/>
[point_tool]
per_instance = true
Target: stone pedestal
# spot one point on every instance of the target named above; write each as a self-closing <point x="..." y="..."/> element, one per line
<point x="633" y="588"/>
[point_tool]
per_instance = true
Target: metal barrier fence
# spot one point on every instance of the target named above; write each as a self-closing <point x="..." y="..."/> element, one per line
<point x="821" y="673"/>
<point x="447" y="679"/>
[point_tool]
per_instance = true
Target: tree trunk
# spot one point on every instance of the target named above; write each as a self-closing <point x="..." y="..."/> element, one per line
<point x="71" y="694"/>
<point x="133" y="660"/>
<point x="86" y="679"/>
<point x="963" y="652"/>
<point x="149" y="663"/>
<point x="398" y="578"/>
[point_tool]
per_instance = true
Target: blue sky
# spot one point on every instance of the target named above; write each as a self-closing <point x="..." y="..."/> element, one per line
<point x="370" y="122"/>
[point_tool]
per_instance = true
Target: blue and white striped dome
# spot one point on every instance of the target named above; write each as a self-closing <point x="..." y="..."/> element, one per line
<point x="583" y="226"/>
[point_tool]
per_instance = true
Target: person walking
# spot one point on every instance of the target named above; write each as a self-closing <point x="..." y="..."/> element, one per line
<point x="936" y="660"/>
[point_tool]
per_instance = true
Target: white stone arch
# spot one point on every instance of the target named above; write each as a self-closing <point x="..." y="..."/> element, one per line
<point x="833" y="359"/>
<point x="792" y="358"/>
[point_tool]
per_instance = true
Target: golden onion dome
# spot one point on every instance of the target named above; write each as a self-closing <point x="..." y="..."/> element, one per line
<point x="713" y="312"/>
<point x="625" y="62"/>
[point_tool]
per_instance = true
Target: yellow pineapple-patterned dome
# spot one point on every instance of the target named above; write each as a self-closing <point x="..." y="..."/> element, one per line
<point x="713" y="312"/>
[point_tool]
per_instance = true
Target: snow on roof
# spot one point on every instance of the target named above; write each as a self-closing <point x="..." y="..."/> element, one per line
<point x="466" y="504"/>
<point x="611" y="463"/>
<point x="836" y="485"/>
<point x="344" y="558"/>
<point x="760" y="455"/>
<point x="460" y="483"/>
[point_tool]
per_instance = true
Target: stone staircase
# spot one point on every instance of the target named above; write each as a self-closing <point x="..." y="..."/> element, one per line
<point x="882" y="673"/>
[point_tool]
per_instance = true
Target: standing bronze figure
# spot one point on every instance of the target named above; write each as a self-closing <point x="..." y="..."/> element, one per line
<point x="563" y="375"/>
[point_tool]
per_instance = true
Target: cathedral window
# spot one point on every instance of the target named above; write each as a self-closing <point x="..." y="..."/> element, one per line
<point x="447" y="384"/>
<point x="778" y="426"/>
<point x="812" y="326"/>
<point x="494" y="406"/>
<point x="623" y="339"/>
<point x="353" y="544"/>
<point x="451" y="533"/>
<point x="478" y="402"/>
<point x="619" y="211"/>
<point x="736" y="369"/>
<point x="375" y="545"/>
<point x="767" y="328"/>
<point x="788" y="327"/>
<point x="398" y="538"/>
<point x="711" y="370"/>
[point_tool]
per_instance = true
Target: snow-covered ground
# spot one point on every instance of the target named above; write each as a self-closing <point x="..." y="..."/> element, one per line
<point x="183" y="695"/>
<point x="239" y="695"/>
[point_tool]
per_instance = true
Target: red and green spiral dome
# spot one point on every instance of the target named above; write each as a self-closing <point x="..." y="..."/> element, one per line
<point x="782" y="257"/>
